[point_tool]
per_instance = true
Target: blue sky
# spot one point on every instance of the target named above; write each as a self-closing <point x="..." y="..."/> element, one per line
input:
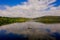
<point x="56" y="3"/>
<point x="15" y="2"/>
<point x="26" y="10"/>
<point x="11" y="2"/>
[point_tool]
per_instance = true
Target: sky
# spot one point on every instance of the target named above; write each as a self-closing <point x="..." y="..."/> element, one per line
<point x="16" y="2"/>
<point x="11" y="2"/>
<point x="29" y="8"/>
<point x="56" y="3"/>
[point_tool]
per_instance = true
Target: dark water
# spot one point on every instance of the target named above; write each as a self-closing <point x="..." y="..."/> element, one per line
<point x="30" y="31"/>
<point x="11" y="36"/>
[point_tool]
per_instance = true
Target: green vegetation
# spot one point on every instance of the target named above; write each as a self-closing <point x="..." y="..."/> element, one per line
<point x="9" y="20"/>
<point x="48" y="19"/>
<point x="44" y="19"/>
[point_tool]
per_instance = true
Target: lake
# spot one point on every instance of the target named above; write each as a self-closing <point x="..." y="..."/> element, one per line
<point x="29" y="31"/>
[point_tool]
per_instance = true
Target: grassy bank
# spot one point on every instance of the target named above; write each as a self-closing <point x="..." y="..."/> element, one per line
<point x="9" y="20"/>
<point x="44" y="19"/>
<point x="48" y="19"/>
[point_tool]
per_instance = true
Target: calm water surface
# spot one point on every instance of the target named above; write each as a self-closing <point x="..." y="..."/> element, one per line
<point x="21" y="31"/>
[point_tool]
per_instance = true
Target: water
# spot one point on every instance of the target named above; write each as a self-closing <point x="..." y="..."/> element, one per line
<point x="30" y="29"/>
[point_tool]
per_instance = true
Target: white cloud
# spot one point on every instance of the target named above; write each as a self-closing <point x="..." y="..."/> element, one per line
<point x="32" y="8"/>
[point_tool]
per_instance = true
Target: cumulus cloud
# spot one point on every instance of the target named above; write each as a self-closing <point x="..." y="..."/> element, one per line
<point x="31" y="9"/>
